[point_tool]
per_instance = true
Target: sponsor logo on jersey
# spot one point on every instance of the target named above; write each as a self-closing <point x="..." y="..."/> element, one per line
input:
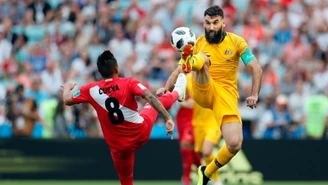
<point x="76" y="94"/>
<point x="228" y="52"/>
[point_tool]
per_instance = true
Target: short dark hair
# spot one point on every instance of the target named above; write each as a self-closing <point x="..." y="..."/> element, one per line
<point x="106" y="64"/>
<point x="214" y="10"/>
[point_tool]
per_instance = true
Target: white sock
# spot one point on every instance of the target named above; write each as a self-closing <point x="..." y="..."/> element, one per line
<point x="179" y="90"/>
<point x="180" y="85"/>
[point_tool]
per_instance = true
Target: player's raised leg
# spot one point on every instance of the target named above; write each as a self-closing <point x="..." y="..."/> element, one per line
<point x="177" y="93"/>
<point x="198" y="63"/>
<point x="124" y="164"/>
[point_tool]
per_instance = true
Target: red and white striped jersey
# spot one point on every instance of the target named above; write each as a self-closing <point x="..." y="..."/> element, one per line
<point x="116" y="107"/>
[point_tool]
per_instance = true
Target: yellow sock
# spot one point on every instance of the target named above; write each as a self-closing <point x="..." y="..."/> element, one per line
<point x="198" y="62"/>
<point x="215" y="175"/>
<point x="223" y="157"/>
<point x="209" y="159"/>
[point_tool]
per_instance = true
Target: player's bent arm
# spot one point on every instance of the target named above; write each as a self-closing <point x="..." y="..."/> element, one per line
<point x="154" y="102"/>
<point x="256" y="71"/>
<point x="173" y="78"/>
<point x="67" y="97"/>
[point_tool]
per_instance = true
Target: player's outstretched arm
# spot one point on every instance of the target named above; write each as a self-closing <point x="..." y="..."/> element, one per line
<point x="256" y="71"/>
<point x="170" y="82"/>
<point x="154" y="102"/>
<point x="67" y="97"/>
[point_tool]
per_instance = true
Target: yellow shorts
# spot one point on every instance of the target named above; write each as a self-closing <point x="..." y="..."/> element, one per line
<point x="202" y="134"/>
<point x="223" y="102"/>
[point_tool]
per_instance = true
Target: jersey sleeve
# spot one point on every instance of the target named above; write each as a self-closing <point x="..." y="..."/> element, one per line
<point x="244" y="51"/>
<point x="136" y="87"/>
<point x="82" y="95"/>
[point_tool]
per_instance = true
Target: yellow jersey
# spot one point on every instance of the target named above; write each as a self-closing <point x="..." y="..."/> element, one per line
<point x="224" y="58"/>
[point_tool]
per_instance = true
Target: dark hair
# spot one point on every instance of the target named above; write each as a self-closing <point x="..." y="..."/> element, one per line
<point x="106" y="64"/>
<point x="214" y="10"/>
<point x="19" y="88"/>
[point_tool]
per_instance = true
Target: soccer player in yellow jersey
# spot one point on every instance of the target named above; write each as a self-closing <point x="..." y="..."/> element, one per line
<point x="214" y="64"/>
<point x="206" y="131"/>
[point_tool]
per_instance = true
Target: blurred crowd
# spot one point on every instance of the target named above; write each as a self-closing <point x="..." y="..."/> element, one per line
<point x="45" y="43"/>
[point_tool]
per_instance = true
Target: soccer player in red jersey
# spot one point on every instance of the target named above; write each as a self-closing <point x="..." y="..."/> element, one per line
<point x="186" y="139"/>
<point x="124" y="128"/>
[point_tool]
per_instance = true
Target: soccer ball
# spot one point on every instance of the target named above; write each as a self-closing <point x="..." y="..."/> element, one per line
<point x="182" y="36"/>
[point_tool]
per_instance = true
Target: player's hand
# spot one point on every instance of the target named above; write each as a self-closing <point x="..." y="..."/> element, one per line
<point x="161" y="91"/>
<point x="69" y="85"/>
<point x="251" y="101"/>
<point x="170" y="127"/>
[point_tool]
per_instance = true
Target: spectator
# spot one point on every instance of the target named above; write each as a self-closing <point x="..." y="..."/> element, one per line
<point x="264" y="116"/>
<point x="35" y="92"/>
<point x="296" y="107"/>
<point x="5" y="46"/>
<point x="37" y="58"/>
<point x="320" y="77"/>
<point x="40" y="10"/>
<point x="268" y="48"/>
<point x="125" y="46"/>
<point x="24" y="127"/>
<point x="296" y="51"/>
<point x="60" y="122"/>
<point x="104" y="30"/>
<point x="287" y="85"/>
<point x="281" y="120"/>
<point x="316" y="107"/>
<point x="283" y="33"/>
<point x="52" y="78"/>
<point x="253" y="30"/>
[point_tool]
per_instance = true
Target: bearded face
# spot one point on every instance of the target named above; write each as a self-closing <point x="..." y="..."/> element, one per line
<point x="214" y="29"/>
<point x="214" y="37"/>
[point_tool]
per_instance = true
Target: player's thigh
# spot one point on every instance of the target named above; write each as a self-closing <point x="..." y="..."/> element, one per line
<point x="123" y="163"/>
<point x="225" y="106"/>
<point x="203" y="94"/>
<point x="150" y="115"/>
<point x="199" y="136"/>
<point x="202" y="76"/>
<point x="212" y="137"/>
<point x="186" y="136"/>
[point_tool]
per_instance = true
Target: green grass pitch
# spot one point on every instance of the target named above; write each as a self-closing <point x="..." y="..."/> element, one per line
<point x="60" y="182"/>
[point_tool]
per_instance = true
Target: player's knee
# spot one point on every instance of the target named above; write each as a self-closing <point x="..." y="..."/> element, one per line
<point x="207" y="149"/>
<point x="207" y="153"/>
<point x="234" y="144"/>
